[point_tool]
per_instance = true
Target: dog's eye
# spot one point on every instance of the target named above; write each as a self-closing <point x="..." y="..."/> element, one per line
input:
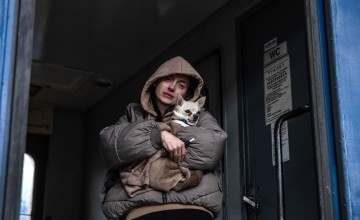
<point x="188" y="111"/>
<point x="198" y="113"/>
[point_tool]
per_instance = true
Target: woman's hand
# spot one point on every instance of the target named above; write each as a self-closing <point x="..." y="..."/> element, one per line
<point x="174" y="146"/>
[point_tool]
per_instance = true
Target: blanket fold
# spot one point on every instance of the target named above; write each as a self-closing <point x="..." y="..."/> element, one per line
<point x="159" y="172"/>
<point x="163" y="174"/>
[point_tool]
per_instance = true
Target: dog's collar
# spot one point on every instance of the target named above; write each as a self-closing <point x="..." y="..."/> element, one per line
<point x="184" y="121"/>
<point x="181" y="122"/>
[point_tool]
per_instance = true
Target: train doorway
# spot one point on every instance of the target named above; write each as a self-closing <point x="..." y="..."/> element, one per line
<point x="274" y="78"/>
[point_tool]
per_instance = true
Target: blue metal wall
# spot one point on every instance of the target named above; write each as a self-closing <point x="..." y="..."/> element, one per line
<point x="8" y="27"/>
<point x="344" y="17"/>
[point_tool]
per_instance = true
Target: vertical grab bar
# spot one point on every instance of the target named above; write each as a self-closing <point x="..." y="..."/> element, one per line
<point x="278" y="156"/>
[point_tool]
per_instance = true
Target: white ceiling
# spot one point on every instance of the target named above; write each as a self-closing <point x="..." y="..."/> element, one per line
<point x="80" y="43"/>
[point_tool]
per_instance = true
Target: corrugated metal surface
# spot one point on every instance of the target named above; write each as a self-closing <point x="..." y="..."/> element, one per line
<point x="345" y="32"/>
<point x="8" y="24"/>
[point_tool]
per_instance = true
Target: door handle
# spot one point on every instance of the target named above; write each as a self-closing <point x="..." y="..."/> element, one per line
<point x="250" y="202"/>
<point x="251" y="199"/>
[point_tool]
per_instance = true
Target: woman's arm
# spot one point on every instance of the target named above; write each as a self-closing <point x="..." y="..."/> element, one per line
<point x="206" y="151"/>
<point x="130" y="139"/>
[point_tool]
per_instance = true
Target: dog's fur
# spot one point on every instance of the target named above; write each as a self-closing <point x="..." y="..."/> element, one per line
<point x="186" y="113"/>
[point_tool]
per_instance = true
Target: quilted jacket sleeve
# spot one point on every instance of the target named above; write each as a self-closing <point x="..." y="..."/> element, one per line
<point x="206" y="151"/>
<point x="128" y="140"/>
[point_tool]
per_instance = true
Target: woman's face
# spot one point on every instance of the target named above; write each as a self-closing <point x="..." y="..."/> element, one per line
<point x="168" y="88"/>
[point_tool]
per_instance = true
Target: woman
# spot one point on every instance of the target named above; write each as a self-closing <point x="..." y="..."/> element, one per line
<point x="140" y="133"/>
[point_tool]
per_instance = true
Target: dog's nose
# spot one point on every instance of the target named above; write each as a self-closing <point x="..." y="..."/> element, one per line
<point x="195" y="117"/>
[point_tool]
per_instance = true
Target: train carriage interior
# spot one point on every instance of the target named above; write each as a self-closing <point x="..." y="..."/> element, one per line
<point x="259" y="60"/>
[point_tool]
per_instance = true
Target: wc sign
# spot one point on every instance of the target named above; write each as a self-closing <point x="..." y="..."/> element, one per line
<point x="275" y="53"/>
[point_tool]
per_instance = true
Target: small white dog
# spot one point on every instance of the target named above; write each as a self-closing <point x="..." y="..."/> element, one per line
<point x="186" y="113"/>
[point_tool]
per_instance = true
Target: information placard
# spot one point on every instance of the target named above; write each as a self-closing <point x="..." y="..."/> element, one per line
<point x="277" y="85"/>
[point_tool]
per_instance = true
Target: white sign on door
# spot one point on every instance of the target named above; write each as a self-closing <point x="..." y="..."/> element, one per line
<point x="277" y="85"/>
<point x="275" y="53"/>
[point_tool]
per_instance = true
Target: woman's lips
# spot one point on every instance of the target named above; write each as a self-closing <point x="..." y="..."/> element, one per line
<point x="167" y="95"/>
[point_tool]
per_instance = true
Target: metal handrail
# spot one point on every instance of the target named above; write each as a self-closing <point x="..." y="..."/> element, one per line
<point x="278" y="156"/>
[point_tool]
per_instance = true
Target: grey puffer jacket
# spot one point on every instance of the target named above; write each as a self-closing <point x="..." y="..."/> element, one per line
<point x="136" y="136"/>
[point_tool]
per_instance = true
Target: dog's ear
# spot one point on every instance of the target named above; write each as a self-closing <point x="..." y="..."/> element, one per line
<point x="201" y="101"/>
<point x="180" y="100"/>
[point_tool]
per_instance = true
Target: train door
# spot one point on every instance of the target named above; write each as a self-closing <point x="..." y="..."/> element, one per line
<point x="275" y="81"/>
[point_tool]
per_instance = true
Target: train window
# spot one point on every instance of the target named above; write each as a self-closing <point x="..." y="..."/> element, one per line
<point x="27" y="188"/>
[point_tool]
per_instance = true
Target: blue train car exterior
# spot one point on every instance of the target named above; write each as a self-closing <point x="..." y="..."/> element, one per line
<point x="343" y="21"/>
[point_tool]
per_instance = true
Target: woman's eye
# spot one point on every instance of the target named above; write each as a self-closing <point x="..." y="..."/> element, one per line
<point x="182" y="86"/>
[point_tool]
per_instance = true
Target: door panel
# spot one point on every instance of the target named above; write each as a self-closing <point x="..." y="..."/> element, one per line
<point x="280" y="22"/>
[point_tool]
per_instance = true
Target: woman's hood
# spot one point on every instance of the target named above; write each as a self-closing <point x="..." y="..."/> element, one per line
<point x="176" y="65"/>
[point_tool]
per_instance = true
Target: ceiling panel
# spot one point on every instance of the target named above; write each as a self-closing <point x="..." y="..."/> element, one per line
<point x="104" y="39"/>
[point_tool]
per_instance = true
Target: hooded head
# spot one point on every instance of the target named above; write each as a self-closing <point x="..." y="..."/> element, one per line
<point x="176" y="65"/>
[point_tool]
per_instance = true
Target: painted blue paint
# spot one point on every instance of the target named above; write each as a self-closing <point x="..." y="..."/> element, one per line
<point x="8" y="24"/>
<point x="329" y="114"/>
<point x="345" y="31"/>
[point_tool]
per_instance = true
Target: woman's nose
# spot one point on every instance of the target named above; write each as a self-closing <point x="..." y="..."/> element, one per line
<point x="172" y="85"/>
